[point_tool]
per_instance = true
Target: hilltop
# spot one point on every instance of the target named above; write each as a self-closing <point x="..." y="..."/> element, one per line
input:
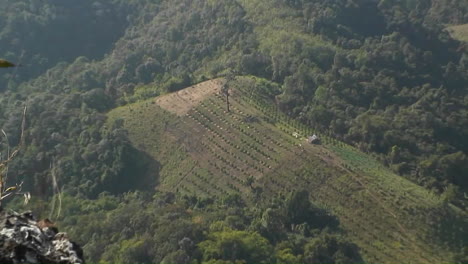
<point x="258" y="152"/>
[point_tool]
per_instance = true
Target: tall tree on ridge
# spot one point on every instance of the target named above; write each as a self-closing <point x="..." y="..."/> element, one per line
<point x="230" y="76"/>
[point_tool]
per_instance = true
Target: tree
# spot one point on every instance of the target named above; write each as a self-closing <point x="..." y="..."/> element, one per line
<point x="273" y="221"/>
<point x="176" y="257"/>
<point x="298" y="207"/>
<point x="395" y="154"/>
<point x="287" y="256"/>
<point x="230" y="77"/>
<point x="233" y="245"/>
<point x="302" y="214"/>
<point x="331" y="249"/>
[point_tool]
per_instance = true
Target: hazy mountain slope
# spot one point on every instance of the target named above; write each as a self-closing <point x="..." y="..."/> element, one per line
<point x="82" y="89"/>
<point x="362" y="84"/>
<point x="382" y="76"/>
<point x="374" y="79"/>
<point x="41" y="34"/>
<point x="209" y="152"/>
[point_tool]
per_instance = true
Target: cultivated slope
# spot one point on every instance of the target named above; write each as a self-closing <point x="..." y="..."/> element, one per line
<point x="459" y="32"/>
<point x="205" y="150"/>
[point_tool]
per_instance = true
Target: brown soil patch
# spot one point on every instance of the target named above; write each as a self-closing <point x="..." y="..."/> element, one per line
<point x="182" y="101"/>
<point x="459" y="32"/>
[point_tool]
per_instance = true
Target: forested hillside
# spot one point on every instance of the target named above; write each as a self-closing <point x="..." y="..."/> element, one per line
<point x="383" y="76"/>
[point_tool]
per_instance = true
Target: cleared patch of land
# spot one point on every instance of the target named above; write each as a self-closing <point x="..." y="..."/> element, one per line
<point x="258" y="152"/>
<point x="459" y="32"/>
<point x="182" y="101"/>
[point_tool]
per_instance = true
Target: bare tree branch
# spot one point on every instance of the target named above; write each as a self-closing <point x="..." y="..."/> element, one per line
<point x="10" y="157"/>
<point x="6" y="191"/>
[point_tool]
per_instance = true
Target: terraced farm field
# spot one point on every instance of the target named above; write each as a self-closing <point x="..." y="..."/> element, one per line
<point x="256" y="151"/>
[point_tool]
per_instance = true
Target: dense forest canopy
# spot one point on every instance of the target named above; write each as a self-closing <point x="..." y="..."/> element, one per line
<point x="384" y="76"/>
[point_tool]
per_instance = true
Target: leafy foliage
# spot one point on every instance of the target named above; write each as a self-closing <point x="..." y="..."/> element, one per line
<point x="383" y="76"/>
<point x="167" y="228"/>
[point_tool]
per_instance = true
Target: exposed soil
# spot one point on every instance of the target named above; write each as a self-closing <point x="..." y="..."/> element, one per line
<point x="182" y="101"/>
<point x="459" y="32"/>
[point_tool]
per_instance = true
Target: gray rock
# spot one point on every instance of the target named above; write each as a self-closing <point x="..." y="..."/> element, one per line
<point x="23" y="240"/>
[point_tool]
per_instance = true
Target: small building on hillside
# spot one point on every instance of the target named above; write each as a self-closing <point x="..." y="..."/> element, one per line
<point x="314" y="139"/>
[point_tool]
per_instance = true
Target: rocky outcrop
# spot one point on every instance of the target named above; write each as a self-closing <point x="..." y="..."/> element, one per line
<point x="24" y="240"/>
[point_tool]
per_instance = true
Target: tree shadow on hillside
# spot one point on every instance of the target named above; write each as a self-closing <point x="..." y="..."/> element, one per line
<point x="140" y="172"/>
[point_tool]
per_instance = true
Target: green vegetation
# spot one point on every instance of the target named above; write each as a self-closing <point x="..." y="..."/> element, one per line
<point x="251" y="151"/>
<point x="382" y="83"/>
<point x="165" y="228"/>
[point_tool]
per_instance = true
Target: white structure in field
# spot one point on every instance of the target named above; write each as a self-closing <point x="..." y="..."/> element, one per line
<point x="314" y="139"/>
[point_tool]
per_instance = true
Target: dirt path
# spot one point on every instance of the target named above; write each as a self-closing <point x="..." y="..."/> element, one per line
<point x="182" y="101"/>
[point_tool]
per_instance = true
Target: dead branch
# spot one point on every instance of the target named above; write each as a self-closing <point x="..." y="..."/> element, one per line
<point x="10" y="157"/>
<point x="6" y="191"/>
